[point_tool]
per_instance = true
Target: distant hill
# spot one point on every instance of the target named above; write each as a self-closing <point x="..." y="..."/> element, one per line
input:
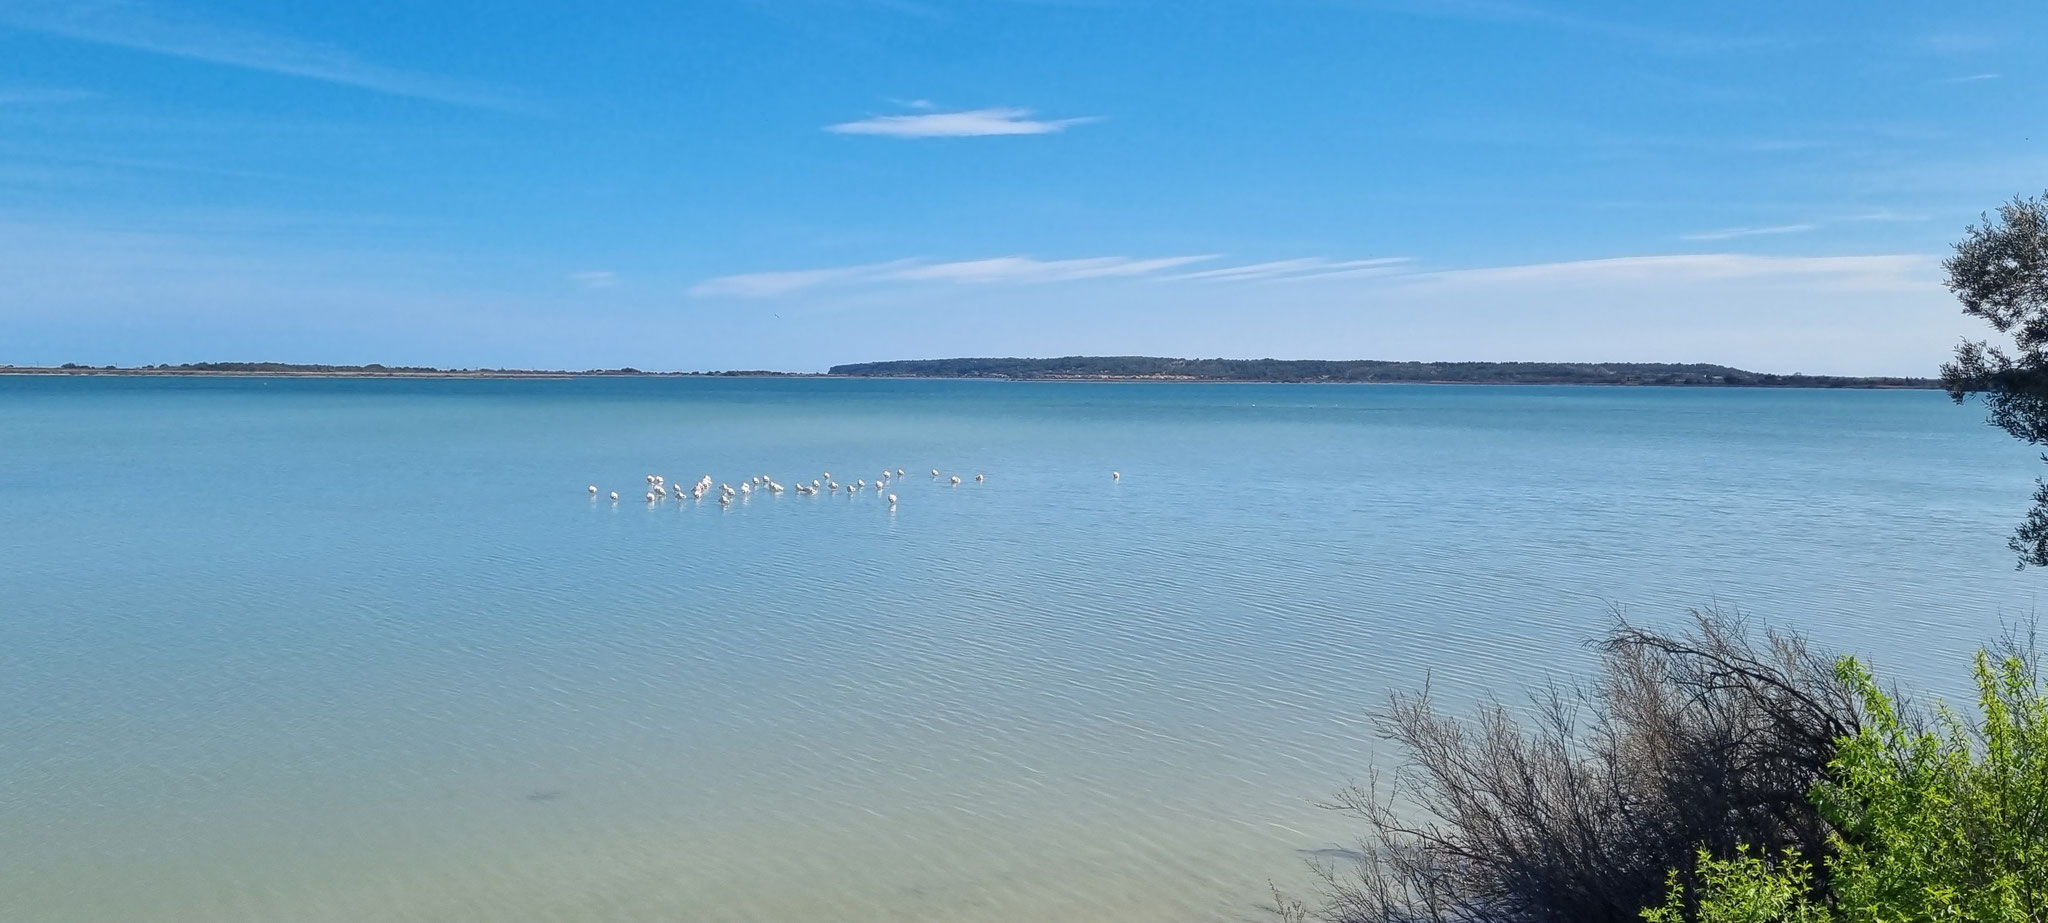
<point x="1360" y="371"/>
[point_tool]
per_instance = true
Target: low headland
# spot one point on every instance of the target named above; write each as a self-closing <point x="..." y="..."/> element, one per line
<point x="1361" y="371"/>
<point x="1098" y="368"/>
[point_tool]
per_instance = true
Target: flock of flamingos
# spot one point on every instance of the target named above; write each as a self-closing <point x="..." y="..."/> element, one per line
<point x="659" y="490"/>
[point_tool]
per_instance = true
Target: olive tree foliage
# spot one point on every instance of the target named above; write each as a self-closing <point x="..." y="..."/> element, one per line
<point x="1574" y="811"/>
<point x="2000" y="273"/>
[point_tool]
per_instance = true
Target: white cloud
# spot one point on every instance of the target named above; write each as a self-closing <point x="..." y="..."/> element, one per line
<point x="1884" y="271"/>
<point x="1887" y="215"/>
<point x="971" y="123"/>
<point x="1973" y="78"/>
<point x="1306" y="268"/>
<point x="1009" y="270"/>
<point x="772" y="284"/>
<point x="1016" y="269"/>
<point x="168" y="31"/>
<point x="1732" y="233"/>
<point x="595" y="278"/>
<point x="1316" y="275"/>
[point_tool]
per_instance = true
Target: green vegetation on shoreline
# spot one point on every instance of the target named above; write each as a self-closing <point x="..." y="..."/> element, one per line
<point x="1363" y="371"/>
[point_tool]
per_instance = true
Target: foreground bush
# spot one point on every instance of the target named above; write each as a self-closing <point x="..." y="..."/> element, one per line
<point x="1945" y="823"/>
<point x="1712" y="738"/>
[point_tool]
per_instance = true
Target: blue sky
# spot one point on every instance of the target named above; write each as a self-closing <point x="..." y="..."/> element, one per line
<point x="795" y="183"/>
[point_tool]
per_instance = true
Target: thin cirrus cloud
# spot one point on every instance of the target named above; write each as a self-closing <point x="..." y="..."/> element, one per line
<point x="1003" y="270"/>
<point x="166" y="30"/>
<point x="1733" y="233"/>
<point x="1882" y="271"/>
<point x="970" y="123"/>
<point x="1314" y="267"/>
<point x="1507" y="12"/>
<point x="36" y="96"/>
<point x="1890" y="271"/>
<point x="595" y="278"/>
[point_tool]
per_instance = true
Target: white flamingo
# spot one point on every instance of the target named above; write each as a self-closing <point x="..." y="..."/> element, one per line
<point x="1116" y="475"/>
<point x="593" y="490"/>
<point x="892" y="501"/>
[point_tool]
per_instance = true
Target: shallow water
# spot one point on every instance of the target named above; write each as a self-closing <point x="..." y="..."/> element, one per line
<point x="292" y="650"/>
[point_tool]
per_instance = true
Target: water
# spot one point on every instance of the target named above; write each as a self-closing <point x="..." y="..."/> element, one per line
<point x="285" y="650"/>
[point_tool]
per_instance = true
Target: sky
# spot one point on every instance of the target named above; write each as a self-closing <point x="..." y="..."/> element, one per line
<point x="791" y="184"/>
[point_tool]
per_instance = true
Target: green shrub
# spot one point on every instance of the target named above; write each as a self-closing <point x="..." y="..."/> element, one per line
<point x="1745" y="889"/>
<point x="1935" y="820"/>
<point x="1947" y="823"/>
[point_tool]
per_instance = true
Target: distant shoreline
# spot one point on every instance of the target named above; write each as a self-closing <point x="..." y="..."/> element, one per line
<point x="1084" y="369"/>
<point x="176" y="372"/>
<point x="1364" y="371"/>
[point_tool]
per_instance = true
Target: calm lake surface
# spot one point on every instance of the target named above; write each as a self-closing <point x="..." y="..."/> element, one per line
<point x="292" y="650"/>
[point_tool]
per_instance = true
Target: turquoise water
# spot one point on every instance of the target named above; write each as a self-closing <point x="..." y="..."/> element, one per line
<point x="288" y="650"/>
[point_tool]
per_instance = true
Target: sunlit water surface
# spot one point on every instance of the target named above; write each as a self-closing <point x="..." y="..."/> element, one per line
<point x="286" y="650"/>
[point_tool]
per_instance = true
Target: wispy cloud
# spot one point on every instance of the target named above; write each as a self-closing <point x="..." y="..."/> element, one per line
<point x="970" y="123"/>
<point x="1006" y="270"/>
<point x="1973" y="78"/>
<point x="1733" y="233"/>
<point x="1957" y="42"/>
<point x="1015" y="269"/>
<point x="1883" y="271"/>
<point x="1508" y="12"/>
<point x="595" y="278"/>
<point x="167" y="30"/>
<point x="1314" y="267"/>
<point x="36" y="96"/>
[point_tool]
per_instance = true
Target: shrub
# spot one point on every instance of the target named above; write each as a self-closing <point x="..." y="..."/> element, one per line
<point x="1745" y="889"/>
<point x="1942" y="819"/>
<point x="1711" y="737"/>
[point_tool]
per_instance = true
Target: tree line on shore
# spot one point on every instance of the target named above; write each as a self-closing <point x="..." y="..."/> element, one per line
<point x="1363" y="371"/>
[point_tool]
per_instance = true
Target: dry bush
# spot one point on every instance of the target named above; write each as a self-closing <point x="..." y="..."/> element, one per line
<point x="1708" y="737"/>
